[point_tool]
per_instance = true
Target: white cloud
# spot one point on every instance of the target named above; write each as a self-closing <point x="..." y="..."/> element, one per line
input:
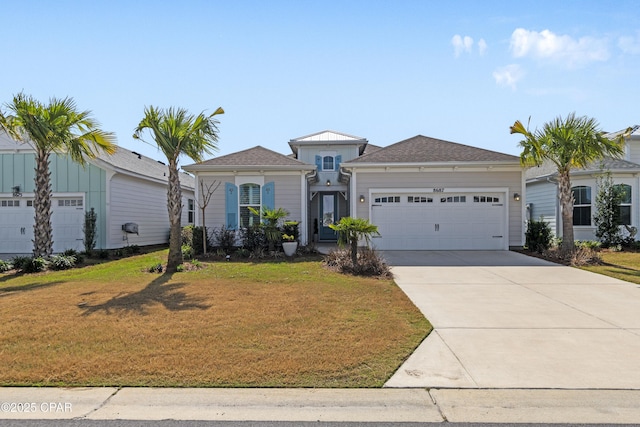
<point x="508" y="76"/>
<point x="630" y="45"/>
<point x="461" y="44"/>
<point x="565" y="49"/>
<point x="482" y="46"/>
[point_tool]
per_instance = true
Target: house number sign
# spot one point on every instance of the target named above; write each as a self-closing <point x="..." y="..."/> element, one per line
<point x="438" y="190"/>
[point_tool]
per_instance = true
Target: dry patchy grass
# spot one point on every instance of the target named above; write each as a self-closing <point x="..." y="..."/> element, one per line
<point x="272" y="324"/>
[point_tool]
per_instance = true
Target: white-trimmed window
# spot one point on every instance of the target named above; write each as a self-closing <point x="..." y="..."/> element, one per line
<point x="70" y="203"/>
<point x="419" y="199"/>
<point x="581" y="205"/>
<point x="328" y="163"/>
<point x="191" y="211"/>
<point x="453" y="199"/>
<point x="624" y="210"/>
<point x="387" y="199"/>
<point x="249" y="197"/>
<point x="486" y="199"/>
<point x="10" y="204"/>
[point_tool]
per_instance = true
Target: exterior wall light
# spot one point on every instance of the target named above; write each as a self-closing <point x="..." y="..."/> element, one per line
<point x="328" y="183"/>
<point x="516" y="197"/>
<point x="16" y="191"/>
<point x="362" y="198"/>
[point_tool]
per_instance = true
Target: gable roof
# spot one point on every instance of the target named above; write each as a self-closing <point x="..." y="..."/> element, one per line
<point x="635" y="132"/>
<point x="137" y="164"/>
<point x="548" y="169"/>
<point x="422" y="149"/>
<point x="252" y="158"/>
<point x="328" y="137"/>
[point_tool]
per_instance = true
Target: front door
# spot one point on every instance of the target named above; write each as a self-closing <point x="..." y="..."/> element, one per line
<point x="328" y="216"/>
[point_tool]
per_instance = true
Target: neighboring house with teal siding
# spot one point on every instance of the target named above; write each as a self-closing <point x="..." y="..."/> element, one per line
<point x="123" y="188"/>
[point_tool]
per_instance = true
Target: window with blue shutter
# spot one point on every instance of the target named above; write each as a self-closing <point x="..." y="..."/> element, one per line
<point x="338" y="161"/>
<point x="319" y="162"/>
<point x="231" y="206"/>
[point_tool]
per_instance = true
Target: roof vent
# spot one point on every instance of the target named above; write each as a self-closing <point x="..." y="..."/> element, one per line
<point x="137" y="154"/>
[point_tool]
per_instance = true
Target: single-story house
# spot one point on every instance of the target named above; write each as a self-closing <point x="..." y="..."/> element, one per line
<point x="542" y="196"/>
<point x="422" y="193"/>
<point x="123" y="188"/>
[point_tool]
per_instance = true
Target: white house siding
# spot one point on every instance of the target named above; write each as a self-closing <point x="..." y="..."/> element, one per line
<point x="448" y="179"/>
<point x="542" y="200"/>
<point x="143" y="203"/>
<point x="584" y="233"/>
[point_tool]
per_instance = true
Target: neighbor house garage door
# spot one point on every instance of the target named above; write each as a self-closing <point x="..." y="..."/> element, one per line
<point x="440" y="221"/>
<point x="16" y="224"/>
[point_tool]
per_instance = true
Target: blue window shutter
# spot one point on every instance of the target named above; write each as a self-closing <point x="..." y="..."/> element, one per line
<point x="319" y="162"/>
<point x="231" y="205"/>
<point x="338" y="161"/>
<point x="269" y="195"/>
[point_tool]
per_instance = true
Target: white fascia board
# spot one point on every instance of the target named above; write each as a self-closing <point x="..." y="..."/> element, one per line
<point x="434" y="165"/>
<point x="201" y="170"/>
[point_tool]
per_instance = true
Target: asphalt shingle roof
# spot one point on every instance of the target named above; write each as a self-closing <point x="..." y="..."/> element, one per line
<point x="256" y="156"/>
<point x="133" y="162"/>
<point x="606" y="164"/>
<point x="422" y="149"/>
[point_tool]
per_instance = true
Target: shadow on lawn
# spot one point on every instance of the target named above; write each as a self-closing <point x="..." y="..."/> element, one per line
<point x="156" y="292"/>
<point x="6" y="291"/>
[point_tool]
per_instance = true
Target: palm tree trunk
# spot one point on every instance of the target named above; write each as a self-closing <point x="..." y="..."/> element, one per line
<point x="566" y="203"/>
<point x="42" y="231"/>
<point x="174" y="205"/>
<point x="354" y="251"/>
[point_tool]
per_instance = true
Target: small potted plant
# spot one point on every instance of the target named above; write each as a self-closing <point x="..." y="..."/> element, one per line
<point x="289" y="244"/>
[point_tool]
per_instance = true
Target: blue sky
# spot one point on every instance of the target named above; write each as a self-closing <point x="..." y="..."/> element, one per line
<point x="462" y="71"/>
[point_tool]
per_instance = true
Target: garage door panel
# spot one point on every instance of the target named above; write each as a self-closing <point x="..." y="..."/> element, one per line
<point x="448" y="222"/>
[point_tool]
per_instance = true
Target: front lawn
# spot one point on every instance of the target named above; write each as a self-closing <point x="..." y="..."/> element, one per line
<point x="624" y="265"/>
<point x="230" y="324"/>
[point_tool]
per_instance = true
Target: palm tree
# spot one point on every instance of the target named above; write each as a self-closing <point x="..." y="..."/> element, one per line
<point x="53" y="128"/>
<point x="351" y="230"/>
<point x="177" y="132"/>
<point x="574" y="142"/>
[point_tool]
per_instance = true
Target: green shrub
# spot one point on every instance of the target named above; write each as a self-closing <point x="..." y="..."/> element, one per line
<point x="131" y="250"/>
<point x="77" y="255"/>
<point x="155" y="268"/>
<point x="187" y="252"/>
<point x="243" y="252"/>
<point x="90" y="230"/>
<point x="180" y="268"/>
<point x="5" y="266"/>
<point x="253" y="238"/>
<point x="103" y="254"/>
<point x="187" y="235"/>
<point x="20" y="261"/>
<point x="224" y="238"/>
<point x="62" y="262"/>
<point x="538" y="236"/>
<point x="34" y="265"/>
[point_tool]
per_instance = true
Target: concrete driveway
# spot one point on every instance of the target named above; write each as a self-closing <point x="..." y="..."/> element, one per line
<point x="506" y="320"/>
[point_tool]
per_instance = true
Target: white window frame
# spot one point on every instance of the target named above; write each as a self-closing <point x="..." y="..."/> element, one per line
<point x="583" y="205"/>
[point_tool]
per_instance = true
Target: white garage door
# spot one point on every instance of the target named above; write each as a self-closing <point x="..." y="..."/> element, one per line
<point x="440" y="221"/>
<point x="16" y="224"/>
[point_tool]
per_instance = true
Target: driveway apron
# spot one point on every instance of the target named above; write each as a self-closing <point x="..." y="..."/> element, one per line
<point x="505" y="320"/>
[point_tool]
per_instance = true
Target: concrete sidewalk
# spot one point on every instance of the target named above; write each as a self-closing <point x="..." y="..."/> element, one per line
<point x="505" y="320"/>
<point x="354" y="405"/>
